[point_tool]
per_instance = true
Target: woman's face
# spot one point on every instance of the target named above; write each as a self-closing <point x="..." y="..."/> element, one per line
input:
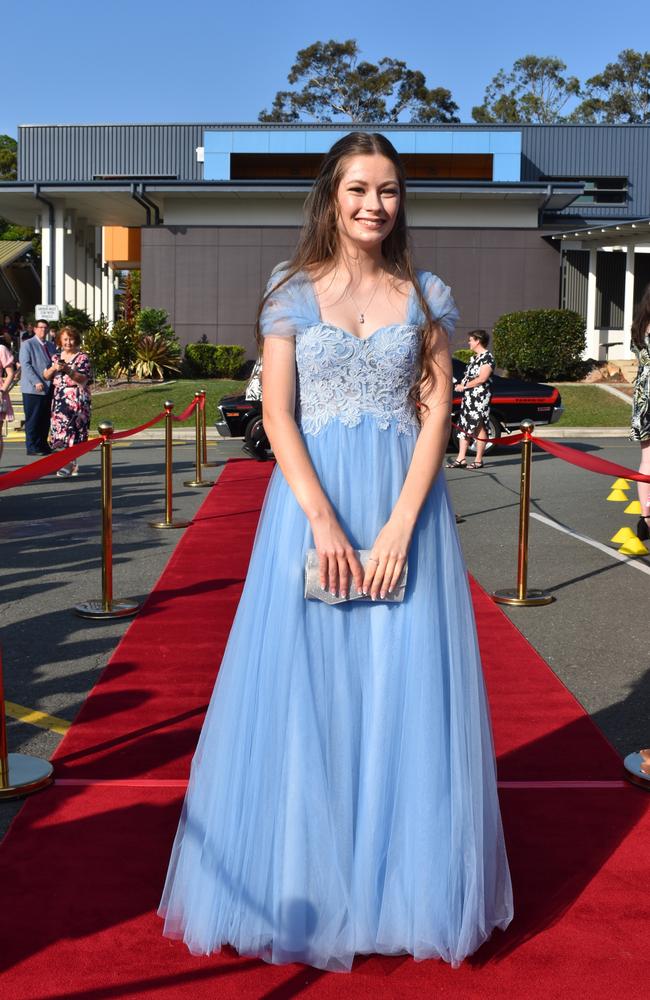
<point x="474" y="344"/>
<point x="368" y="200"/>
<point x="67" y="342"/>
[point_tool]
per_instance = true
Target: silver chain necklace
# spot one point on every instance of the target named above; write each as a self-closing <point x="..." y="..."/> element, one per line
<point x="362" y="312"/>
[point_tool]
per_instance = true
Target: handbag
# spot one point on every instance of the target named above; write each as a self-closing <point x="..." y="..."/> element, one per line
<point x="314" y="591"/>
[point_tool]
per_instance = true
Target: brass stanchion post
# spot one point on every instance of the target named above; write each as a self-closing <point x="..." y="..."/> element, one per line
<point x="107" y="607"/>
<point x="20" y="774"/>
<point x="168" y="522"/>
<point x="521" y="596"/>
<point x="209" y="465"/>
<point x="198" y="481"/>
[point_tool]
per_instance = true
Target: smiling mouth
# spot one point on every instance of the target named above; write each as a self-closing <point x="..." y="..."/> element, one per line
<point x="371" y="223"/>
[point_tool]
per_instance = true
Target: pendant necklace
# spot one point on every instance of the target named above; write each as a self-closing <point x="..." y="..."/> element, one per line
<point x="362" y="312"/>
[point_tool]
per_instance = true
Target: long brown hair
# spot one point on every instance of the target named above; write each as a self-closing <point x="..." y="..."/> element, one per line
<point x="641" y="319"/>
<point x="319" y="240"/>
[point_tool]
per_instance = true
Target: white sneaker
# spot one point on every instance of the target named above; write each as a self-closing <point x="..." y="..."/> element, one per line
<point x="63" y="473"/>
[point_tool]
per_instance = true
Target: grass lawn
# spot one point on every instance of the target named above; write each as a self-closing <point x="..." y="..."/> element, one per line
<point x="135" y="405"/>
<point x="589" y="406"/>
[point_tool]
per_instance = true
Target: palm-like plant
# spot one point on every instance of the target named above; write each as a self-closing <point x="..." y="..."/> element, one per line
<point x="156" y="356"/>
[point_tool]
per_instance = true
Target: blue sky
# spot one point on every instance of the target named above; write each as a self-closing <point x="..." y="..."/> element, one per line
<point x="79" y="61"/>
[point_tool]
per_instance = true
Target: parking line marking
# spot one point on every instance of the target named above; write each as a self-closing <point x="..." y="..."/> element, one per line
<point x="35" y="718"/>
<point x="629" y="560"/>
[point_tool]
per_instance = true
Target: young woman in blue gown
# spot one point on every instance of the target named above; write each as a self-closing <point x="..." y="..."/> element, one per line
<point x="342" y="798"/>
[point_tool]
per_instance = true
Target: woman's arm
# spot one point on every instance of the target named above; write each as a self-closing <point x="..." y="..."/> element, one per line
<point x="485" y="373"/>
<point x="7" y="381"/>
<point x="393" y="541"/>
<point x="336" y="556"/>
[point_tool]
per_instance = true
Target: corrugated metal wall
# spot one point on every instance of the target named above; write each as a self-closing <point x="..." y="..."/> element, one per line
<point x="575" y="274"/>
<point x="610" y="290"/>
<point x="583" y="151"/>
<point x="81" y="152"/>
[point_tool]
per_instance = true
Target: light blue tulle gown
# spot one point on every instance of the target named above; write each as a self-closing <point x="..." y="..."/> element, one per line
<point x="342" y="797"/>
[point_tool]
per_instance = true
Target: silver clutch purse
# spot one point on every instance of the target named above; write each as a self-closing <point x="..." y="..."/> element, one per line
<point x="314" y="591"/>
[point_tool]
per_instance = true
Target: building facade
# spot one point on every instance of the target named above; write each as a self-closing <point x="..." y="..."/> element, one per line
<point x="513" y="217"/>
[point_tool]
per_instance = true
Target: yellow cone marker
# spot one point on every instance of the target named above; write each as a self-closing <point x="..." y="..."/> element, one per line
<point x="617" y="495"/>
<point x="633" y="508"/>
<point x="621" y="484"/>
<point x="633" y="547"/>
<point x="622" y="536"/>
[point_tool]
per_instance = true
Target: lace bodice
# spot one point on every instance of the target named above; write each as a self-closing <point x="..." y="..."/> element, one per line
<point x="342" y="377"/>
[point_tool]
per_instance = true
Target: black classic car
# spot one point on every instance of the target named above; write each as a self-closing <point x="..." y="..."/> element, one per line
<point x="512" y="401"/>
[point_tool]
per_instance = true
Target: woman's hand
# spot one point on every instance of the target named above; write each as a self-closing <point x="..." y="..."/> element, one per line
<point x="337" y="560"/>
<point x="388" y="558"/>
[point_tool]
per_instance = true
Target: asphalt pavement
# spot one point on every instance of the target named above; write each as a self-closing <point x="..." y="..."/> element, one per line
<point x="593" y="636"/>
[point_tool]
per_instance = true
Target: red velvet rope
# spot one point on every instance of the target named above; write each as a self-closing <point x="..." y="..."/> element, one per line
<point x="52" y="463"/>
<point x="136" y="430"/>
<point x="186" y="412"/>
<point x="589" y="462"/>
<point x="45" y="466"/>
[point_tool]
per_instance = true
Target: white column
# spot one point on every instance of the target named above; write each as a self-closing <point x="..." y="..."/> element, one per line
<point x="80" y="264"/>
<point x="70" y="258"/>
<point x="97" y="274"/>
<point x="593" y="331"/>
<point x="628" y="305"/>
<point x="59" y="257"/>
<point x="46" y="260"/>
<point x="89" y="243"/>
<point x="111" y="296"/>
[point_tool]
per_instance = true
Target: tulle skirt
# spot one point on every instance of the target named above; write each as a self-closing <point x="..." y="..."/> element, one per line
<point x="342" y="797"/>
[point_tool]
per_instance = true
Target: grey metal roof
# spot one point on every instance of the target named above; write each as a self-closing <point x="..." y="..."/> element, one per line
<point x="637" y="232"/>
<point x="11" y="250"/>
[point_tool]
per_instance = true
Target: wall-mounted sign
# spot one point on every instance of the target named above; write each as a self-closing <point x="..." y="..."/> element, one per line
<point x="50" y="313"/>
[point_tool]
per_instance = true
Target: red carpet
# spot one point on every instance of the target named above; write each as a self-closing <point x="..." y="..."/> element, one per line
<point x="83" y="864"/>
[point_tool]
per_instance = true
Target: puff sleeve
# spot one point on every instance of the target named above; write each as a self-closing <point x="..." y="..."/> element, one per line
<point x="287" y="310"/>
<point x="440" y="300"/>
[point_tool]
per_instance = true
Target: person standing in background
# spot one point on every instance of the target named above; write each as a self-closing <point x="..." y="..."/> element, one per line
<point x="640" y="431"/>
<point x="35" y="356"/>
<point x="7" y="378"/>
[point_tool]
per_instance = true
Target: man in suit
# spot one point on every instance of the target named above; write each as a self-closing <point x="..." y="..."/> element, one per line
<point x="35" y="356"/>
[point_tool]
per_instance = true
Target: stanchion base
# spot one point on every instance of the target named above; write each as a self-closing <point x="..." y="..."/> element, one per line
<point x="169" y="524"/>
<point x="532" y="599"/>
<point x="26" y="775"/>
<point x="118" y="609"/>
<point x="199" y="482"/>
<point x="633" y="772"/>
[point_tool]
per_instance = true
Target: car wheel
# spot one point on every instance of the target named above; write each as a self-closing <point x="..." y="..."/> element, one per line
<point x="256" y="442"/>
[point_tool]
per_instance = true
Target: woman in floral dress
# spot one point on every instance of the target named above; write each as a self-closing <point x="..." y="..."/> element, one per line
<point x="475" y="408"/>
<point x="71" y="377"/>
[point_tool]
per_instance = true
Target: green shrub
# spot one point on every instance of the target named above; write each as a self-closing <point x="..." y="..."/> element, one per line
<point x="464" y="354"/>
<point x="125" y="343"/>
<point x="153" y="322"/>
<point x="214" y="360"/>
<point x="98" y="345"/>
<point x="155" y="356"/>
<point x="78" y="318"/>
<point x="540" y="343"/>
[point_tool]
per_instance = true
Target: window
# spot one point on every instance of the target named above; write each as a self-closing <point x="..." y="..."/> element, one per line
<point x="598" y="190"/>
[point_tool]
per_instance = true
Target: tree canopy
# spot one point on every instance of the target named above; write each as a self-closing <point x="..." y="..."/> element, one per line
<point x="621" y="93"/>
<point x="336" y="86"/>
<point x="8" y="158"/>
<point x="535" y="90"/>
